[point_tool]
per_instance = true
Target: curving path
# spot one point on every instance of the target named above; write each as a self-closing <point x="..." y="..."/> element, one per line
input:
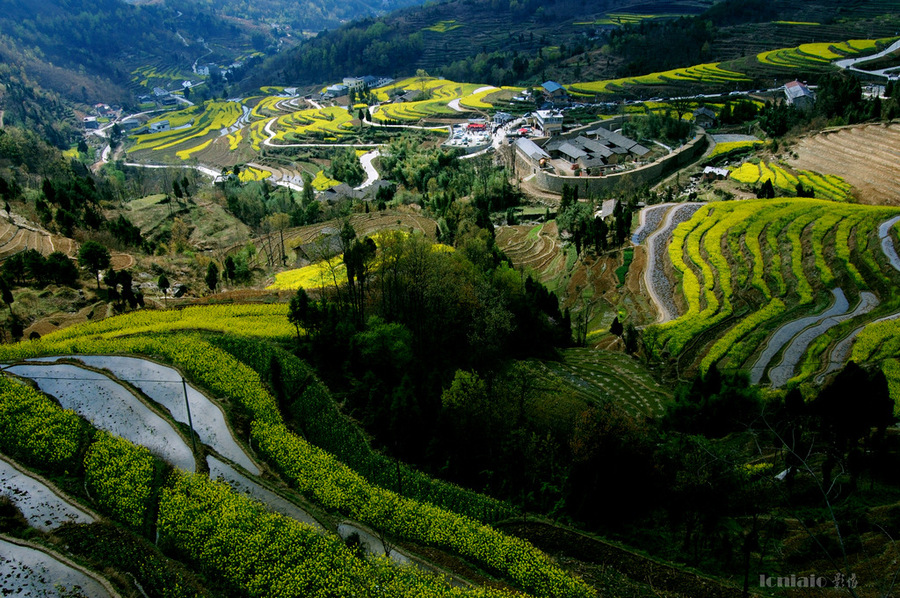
<point x="840" y="354"/>
<point x="789" y="330"/>
<point x="841" y="351"/>
<point x="849" y="63"/>
<point x="784" y="371"/>
<point x="887" y="243"/>
<point x="648" y="221"/>
<point x="371" y="173"/>
<point x="659" y="287"/>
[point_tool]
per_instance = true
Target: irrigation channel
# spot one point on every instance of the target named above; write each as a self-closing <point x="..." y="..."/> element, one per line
<point x="113" y="407"/>
<point x="784" y="370"/>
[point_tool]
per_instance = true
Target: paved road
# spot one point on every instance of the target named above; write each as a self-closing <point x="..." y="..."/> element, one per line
<point x="371" y="173"/>
<point x="848" y="63"/>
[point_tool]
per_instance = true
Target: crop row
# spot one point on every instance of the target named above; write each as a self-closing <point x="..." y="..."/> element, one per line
<point x="766" y="232"/>
<point x="804" y="56"/>
<point x="229" y="536"/>
<point x="267" y="321"/>
<point x="824" y="186"/>
<point x="732" y="147"/>
<point x="320" y="475"/>
<point x="215" y="116"/>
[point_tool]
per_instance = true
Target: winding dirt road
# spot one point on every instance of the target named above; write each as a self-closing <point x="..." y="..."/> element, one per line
<point x="658" y="286"/>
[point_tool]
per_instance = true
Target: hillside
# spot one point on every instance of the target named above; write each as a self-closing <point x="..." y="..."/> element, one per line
<point x="435" y="36"/>
<point x="302" y="18"/>
<point x="526" y="43"/>
<point x="86" y="51"/>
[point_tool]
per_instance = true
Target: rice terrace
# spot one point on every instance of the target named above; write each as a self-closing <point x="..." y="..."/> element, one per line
<point x="463" y="299"/>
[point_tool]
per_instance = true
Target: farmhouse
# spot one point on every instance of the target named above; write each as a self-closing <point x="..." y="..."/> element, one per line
<point x="90" y="122"/>
<point x="618" y="142"/>
<point x="607" y="209"/>
<point x="799" y="95"/>
<point x="549" y="122"/>
<point x="704" y="117"/>
<point x="160" y="126"/>
<point x="336" y="91"/>
<point x="592" y="151"/>
<point x="354" y="83"/>
<point x="553" y="91"/>
<point x="715" y="174"/>
<point x="531" y="154"/>
<point x="501" y="118"/>
<point x="129" y="124"/>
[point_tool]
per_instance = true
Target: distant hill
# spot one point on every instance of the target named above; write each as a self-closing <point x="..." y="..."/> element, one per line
<point x="300" y="16"/>
<point x="86" y="50"/>
<point x="438" y="34"/>
<point x="524" y="42"/>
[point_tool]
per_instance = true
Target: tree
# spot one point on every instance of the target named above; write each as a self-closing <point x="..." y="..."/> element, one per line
<point x="309" y="192"/>
<point x="94" y="257"/>
<point x="212" y="276"/>
<point x="298" y="310"/>
<point x="6" y="294"/>
<point x="616" y="327"/>
<point x="230" y="268"/>
<point x="163" y="284"/>
<point x="124" y="279"/>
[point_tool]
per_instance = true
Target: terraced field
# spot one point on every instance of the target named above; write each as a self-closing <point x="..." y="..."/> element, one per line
<point x="723" y="75"/>
<point x="365" y="224"/>
<point x="205" y="521"/>
<point x="785" y="180"/>
<point x="663" y="219"/>
<point x="866" y="156"/>
<point x="15" y="239"/>
<point x="531" y="247"/>
<point x="597" y="376"/>
<point x="440" y="93"/>
<point x="778" y="287"/>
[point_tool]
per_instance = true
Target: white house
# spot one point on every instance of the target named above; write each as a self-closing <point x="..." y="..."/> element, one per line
<point x="549" y="121"/>
<point x="160" y="126"/>
<point x="799" y="95"/>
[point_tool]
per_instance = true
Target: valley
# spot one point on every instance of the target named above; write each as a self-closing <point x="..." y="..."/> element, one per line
<point x="465" y="299"/>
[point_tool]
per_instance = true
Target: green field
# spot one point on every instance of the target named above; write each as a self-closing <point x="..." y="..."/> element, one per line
<point x="746" y="268"/>
<point x="785" y="180"/>
<point x="805" y="56"/>
<point x="597" y="376"/>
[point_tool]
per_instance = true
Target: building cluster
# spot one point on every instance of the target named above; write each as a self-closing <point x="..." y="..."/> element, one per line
<point x="355" y="85"/>
<point x="594" y="151"/>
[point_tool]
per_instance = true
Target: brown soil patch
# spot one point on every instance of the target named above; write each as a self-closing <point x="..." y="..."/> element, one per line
<point x="636" y="271"/>
<point x="60" y="320"/>
<point x="121" y="261"/>
<point x="867" y="157"/>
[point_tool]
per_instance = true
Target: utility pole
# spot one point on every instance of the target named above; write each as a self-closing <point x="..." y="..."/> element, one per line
<point x="190" y="422"/>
